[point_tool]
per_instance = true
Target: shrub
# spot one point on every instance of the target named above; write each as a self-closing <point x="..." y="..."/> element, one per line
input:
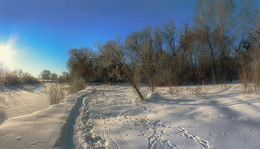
<point x="2" y="79"/>
<point x="175" y="91"/>
<point x="198" y="91"/>
<point x="141" y="120"/>
<point x="27" y="78"/>
<point x="245" y="75"/>
<point x="77" y="85"/>
<point x="56" y="94"/>
<point x="12" y="79"/>
<point x="16" y="77"/>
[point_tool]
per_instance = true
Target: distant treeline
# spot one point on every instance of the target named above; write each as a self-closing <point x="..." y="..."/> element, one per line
<point x="221" y="44"/>
<point x="47" y="75"/>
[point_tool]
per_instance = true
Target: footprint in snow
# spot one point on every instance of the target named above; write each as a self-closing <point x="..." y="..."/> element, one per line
<point x="202" y="142"/>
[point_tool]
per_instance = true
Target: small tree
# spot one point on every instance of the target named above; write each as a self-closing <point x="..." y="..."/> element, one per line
<point x="2" y="77"/>
<point x="169" y="34"/>
<point x="255" y="58"/>
<point x="54" y="76"/>
<point x="65" y="77"/>
<point x="114" y="53"/>
<point x="45" y="75"/>
<point x="80" y="63"/>
<point x="142" y="47"/>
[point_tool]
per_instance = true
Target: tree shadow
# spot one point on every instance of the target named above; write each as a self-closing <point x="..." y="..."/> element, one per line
<point x="12" y="89"/>
<point x="221" y="91"/>
<point x="2" y="117"/>
<point x="167" y="101"/>
<point x="228" y="95"/>
<point x="209" y="101"/>
<point x="234" y="116"/>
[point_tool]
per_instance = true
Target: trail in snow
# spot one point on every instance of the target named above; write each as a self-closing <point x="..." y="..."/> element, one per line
<point x="105" y="121"/>
<point x="83" y="135"/>
<point x="66" y="140"/>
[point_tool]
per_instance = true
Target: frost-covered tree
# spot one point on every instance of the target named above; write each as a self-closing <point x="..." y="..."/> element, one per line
<point x="80" y="63"/>
<point x="54" y="76"/>
<point x="114" y="53"/>
<point x="45" y="75"/>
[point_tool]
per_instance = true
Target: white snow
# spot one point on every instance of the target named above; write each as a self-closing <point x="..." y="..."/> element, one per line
<point x="47" y="128"/>
<point x="20" y="100"/>
<point x="106" y="117"/>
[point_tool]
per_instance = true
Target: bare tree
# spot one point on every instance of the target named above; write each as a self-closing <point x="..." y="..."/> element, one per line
<point x="64" y="77"/>
<point x="203" y="24"/>
<point x="2" y="75"/>
<point x="114" y="53"/>
<point x="158" y="40"/>
<point x="54" y="76"/>
<point x="169" y="34"/>
<point x="147" y="48"/>
<point x="255" y="57"/>
<point x="80" y="63"/>
<point x="186" y="47"/>
<point x="245" y="21"/>
<point x="221" y="43"/>
<point x="224" y="13"/>
<point x="214" y="19"/>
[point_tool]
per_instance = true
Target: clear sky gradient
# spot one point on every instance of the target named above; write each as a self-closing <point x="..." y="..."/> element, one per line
<point x="45" y="30"/>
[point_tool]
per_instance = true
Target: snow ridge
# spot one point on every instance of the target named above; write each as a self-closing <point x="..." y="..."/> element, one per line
<point x="84" y="137"/>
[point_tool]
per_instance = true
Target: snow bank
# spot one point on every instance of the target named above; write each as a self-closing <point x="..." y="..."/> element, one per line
<point x="19" y="100"/>
<point x="43" y="129"/>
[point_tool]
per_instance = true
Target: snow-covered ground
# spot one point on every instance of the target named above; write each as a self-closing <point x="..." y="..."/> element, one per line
<point x="111" y="117"/>
<point x="21" y="100"/>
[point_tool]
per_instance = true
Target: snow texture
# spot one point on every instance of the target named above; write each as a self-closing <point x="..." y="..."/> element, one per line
<point x="106" y="117"/>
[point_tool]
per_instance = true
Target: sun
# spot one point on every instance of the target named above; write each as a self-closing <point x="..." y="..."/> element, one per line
<point x="7" y="54"/>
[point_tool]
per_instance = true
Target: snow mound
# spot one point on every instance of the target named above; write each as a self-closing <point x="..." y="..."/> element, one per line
<point x="152" y="96"/>
<point x="149" y="96"/>
<point x="136" y="99"/>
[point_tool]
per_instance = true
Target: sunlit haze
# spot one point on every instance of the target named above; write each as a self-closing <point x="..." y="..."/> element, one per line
<point x="7" y="54"/>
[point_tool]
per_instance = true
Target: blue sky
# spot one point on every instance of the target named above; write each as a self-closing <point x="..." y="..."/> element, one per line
<point x="47" y="29"/>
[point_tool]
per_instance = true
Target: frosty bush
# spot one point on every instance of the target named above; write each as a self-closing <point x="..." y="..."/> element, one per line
<point x="141" y="120"/>
<point x="56" y="94"/>
<point x="16" y="77"/>
<point x="28" y="79"/>
<point x="175" y="91"/>
<point x="12" y="79"/>
<point x="198" y="91"/>
<point x="77" y="85"/>
<point x="2" y="79"/>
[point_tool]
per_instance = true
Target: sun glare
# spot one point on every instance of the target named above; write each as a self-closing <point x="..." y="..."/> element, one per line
<point x="7" y="54"/>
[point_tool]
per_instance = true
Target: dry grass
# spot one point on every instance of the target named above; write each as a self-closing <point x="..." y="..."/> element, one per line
<point x="16" y="77"/>
<point x="141" y="120"/>
<point x="77" y="85"/>
<point x="56" y="94"/>
<point x="198" y="91"/>
<point x="175" y="91"/>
